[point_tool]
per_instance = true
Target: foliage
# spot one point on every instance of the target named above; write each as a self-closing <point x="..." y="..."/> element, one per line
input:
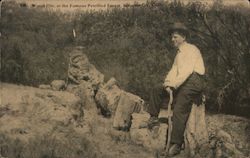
<point x="133" y="46"/>
<point x="46" y="146"/>
<point x="32" y="45"/>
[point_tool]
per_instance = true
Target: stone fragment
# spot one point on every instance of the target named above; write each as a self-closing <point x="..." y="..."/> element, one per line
<point x="44" y="86"/>
<point x="153" y="139"/>
<point x="128" y="104"/>
<point x="108" y="96"/>
<point x="58" y="85"/>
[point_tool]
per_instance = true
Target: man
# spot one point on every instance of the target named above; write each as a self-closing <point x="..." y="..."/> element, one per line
<point x="186" y="80"/>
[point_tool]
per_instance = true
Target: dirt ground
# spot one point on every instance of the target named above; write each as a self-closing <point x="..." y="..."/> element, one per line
<point x="31" y="116"/>
<point x="20" y="121"/>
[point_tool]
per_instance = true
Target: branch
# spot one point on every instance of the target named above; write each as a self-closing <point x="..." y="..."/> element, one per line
<point x="222" y="92"/>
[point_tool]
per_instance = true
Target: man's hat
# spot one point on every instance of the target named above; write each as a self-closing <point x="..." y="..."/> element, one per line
<point x="178" y="27"/>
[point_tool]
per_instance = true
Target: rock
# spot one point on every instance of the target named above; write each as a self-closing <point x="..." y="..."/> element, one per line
<point x="66" y="100"/>
<point x="127" y="105"/>
<point x="230" y="147"/>
<point x="112" y="82"/>
<point x="224" y="136"/>
<point x="44" y="86"/>
<point x="218" y="153"/>
<point x="230" y="134"/>
<point x="108" y="96"/>
<point x="153" y="139"/>
<point x="33" y="111"/>
<point x="4" y="109"/>
<point x="226" y="146"/>
<point x="81" y="69"/>
<point x="86" y="92"/>
<point x="119" y="135"/>
<point x="58" y="85"/>
<point x="139" y="120"/>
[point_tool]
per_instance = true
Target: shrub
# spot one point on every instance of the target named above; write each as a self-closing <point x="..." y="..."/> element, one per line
<point x="47" y="146"/>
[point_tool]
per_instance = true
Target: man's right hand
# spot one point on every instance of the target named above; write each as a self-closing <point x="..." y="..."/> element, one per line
<point x="169" y="90"/>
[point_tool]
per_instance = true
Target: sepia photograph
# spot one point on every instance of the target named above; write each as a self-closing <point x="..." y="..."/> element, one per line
<point x="125" y="79"/>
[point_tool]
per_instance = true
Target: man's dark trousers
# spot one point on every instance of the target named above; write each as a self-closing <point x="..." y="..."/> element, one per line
<point x="187" y="94"/>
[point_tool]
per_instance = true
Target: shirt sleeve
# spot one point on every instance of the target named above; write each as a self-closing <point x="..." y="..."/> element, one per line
<point x="185" y="66"/>
<point x="169" y="80"/>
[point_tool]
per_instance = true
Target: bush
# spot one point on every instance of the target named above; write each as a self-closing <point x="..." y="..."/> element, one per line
<point x="33" y="44"/>
<point x="46" y="147"/>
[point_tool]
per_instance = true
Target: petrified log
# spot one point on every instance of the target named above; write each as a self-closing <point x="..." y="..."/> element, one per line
<point x="108" y="96"/>
<point x="196" y="133"/>
<point x="80" y="69"/>
<point x="128" y="104"/>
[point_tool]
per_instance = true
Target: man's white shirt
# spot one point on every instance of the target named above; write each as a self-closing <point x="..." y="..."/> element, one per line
<point x="187" y="61"/>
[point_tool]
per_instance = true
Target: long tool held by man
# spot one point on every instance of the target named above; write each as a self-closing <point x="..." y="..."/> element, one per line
<point x="170" y="126"/>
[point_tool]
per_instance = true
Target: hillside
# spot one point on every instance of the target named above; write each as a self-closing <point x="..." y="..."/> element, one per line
<point x="46" y="123"/>
<point x="38" y="123"/>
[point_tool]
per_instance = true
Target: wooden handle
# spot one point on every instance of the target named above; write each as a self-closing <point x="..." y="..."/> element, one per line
<point x="170" y="101"/>
<point x="170" y="126"/>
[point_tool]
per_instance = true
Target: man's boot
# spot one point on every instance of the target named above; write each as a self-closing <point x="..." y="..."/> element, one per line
<point x="174" y="150"/>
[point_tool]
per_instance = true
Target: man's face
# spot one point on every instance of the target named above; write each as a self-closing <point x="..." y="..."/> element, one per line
<point x="177" y="39"/>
